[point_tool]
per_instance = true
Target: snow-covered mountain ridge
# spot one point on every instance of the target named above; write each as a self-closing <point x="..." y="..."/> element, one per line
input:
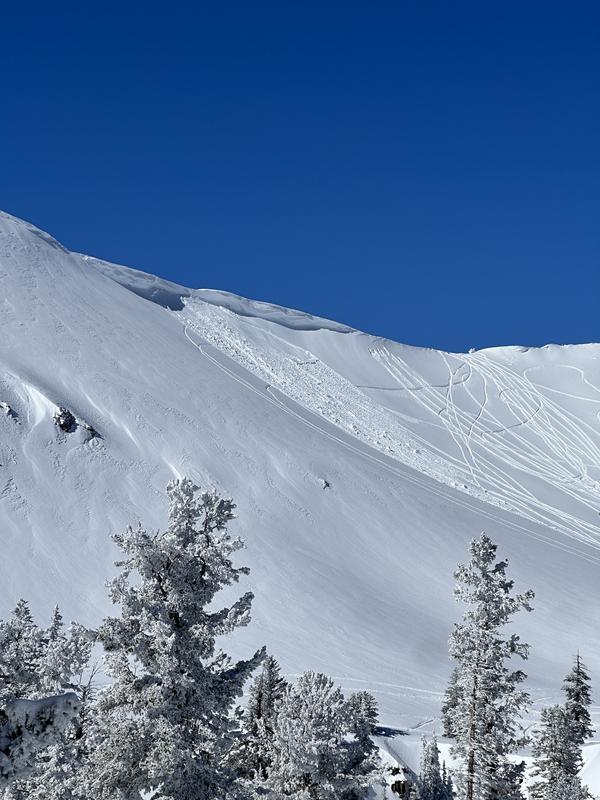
<point x="361" y="467"/>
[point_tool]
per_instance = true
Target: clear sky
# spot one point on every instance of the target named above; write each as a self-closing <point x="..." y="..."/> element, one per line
<point x="427" y="171"/>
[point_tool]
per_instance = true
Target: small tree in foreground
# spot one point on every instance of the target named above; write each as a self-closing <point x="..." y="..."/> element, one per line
<point x="433" y="780"/>
<point x="164" y="725"/>
<point x="558" y="743"/>
<point x="365" y="713"/>
<point x="579" y="699"/>
<point x="557" y="756"/>
<point x="487" y="701"/>
<point x="38" y="667"/>
<point x="568" y="788"/>
<point x="315" y="754"/>
<point x="252" y="752"/>
<point x="451" y="700"/>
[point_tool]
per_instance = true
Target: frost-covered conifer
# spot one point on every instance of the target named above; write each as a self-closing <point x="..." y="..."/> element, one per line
<point x="432" y="785"/>
<point x="314" y="752"/>
<point x="485" y="719"/>
<point x="568" y="788"/>
<point x="35" y="664"/>
<point x="251" y="754"/>
<point x="579" y="698"/>
<point x="362" y="751"/>
<point x="267" y="690"/>
<point x="65" y="657"/>
<point x="20" y="655"/>
<point x="557" y="755"/>
<point x="558" y="743"/>
<point x="447" y="781"/>
<point x="365" y="713"/>
<point x="451" y="701"/>
<point x="164" y="725"/>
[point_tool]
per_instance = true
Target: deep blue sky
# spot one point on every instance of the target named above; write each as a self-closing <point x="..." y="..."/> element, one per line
<point x="428" y="171"/>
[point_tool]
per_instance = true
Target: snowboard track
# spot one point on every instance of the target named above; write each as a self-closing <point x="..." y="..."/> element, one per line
<point x="304" y="387"/>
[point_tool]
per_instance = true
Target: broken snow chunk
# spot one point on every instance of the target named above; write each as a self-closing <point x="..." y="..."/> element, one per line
<point x="65" y="420"/>
<point x="91" y="431"/>
<point x="7" y="410"/>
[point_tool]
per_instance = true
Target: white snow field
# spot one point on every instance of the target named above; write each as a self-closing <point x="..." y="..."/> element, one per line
<point x="361" y="468"/>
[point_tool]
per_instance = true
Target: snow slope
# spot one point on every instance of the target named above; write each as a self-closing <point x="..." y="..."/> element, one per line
<point x="361" y="467"/>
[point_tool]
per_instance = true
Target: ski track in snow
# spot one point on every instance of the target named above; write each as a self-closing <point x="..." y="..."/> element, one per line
<point x="208" y="324"/>
<point x="543" y="442"/>
<point x="552" y="450"/>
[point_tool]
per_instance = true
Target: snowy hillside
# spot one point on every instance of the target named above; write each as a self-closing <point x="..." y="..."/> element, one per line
<point x="361" y="467"/>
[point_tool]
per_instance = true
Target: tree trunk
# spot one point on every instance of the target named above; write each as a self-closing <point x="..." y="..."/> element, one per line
<point x="471" y="757"/>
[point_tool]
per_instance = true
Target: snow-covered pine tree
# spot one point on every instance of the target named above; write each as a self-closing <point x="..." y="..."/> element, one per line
<point x="364" y="711"/>
<point x="65" y="657"/>
<point x="432" y="785"/>
<point x="447" y="781"/>
<point x="267" y="690"/>
<point x="558" y="743"/>
<point x="314" y="753"/>
<point x="485" y="720"/>
<point x="65" y="665"/>
<point x="21" y="652"/>
<point x="451" y="700"/>
<point x="35" y="664"/>
<point x="509" y="780"/>
<point x="165" y="724"/>
<point x="579" y="698"/>
<point x="557" y="756"/>
<point x="568" y="788"/>
<point x="363" y="756"/>
<point x="251" y="753"/>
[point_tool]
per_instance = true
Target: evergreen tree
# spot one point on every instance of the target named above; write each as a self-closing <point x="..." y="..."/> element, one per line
<point x="314" y="752"/>
<point x="447" y="781"/>
<point x="559" y="740"/>
<point x="21" y="652"/>
<point x="557" y="756"/>
<point x="365" y="713"/>
<point x="57" y="780"/>
<point x="65" y="657"/>
<point x="451" y="701"/>
<point x="485" y="719"/>
<point x="251" y="754"/>
<point x="579" y="698"/>
<point x="432" y="785"/>
<point x="267" y="690"/>
<point x="164" y="726"/>
<point x="568" y="788"/>
<point x="508" y="781"/>
<point x="36" y="664"/>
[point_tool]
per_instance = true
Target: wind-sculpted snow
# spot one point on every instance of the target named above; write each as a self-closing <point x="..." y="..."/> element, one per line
<point x="360" y="467"/>
<point x="171" y="296"/>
